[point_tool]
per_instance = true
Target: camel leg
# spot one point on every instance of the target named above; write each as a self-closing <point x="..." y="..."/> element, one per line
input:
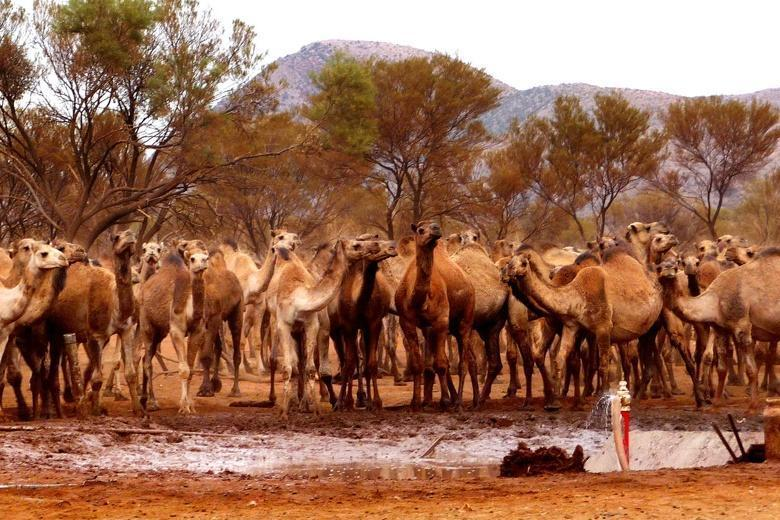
<point x="371" y="335"/>
<point x="323" y="358"/>
<point x="744" y="342"/>
<point x="441" y="362"/>
<point x="771" y="378"/>
<point x="146" y="381"/>
<point x="67" y="381"/>
<point x="210" y="350"/>
<point x="520" y="342"/>
<point x="512" y="357"/>
<point x="429" y="376"/>
<point x="678" y="341"/>
<point x="309" y="371"/>
<point x="574" y="368"/>
<point x="492" y="341"/>
<point x="540" y="346"/>
<point x="391" y="345"/>
<point x="11" y="371"/>
<point x="273" y="362"/>
<point x="722" y="351"/>
<point x="288" y="348"/>
<point x="360" y="367"/>
<point x="53" y="380"/>
<point x="186" y="350"/>
<point x="346" y="402"/>
<point x="236" y="324"/>
<point x="667" y="358"/>
<point x="568" y="338"/>
<point x="414" y="360"/>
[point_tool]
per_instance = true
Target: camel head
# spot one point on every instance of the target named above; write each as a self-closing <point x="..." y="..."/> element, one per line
<point x="607" y="242"/>
<point x="386" y="249"/>
<point x="73" y="252"/>
<point x="195" y="254"/>
<point x="426" y="232"/>
<point x="661" y="243"/>
<point x="690" y="265"/>
<point x="726" y="241"/>
<point x="359" y="249"/>
<point x="151" y="252"/>
<point x="45" y="256"/>
<point x="517" y="267"/>
<point x="502" y="248"/>
<point x="123" y="242"/>
<point x="640" y="232"/>
<point x="285" y="239"/>
<point x="22" y="250"/>
<point x="705" y="248"/>
<point x="740" y="255"/>
<point x="470" y="236"/>
<point x="453" y="242"/>
<point x="668" y="269"/>
<point x="368" y="236"/>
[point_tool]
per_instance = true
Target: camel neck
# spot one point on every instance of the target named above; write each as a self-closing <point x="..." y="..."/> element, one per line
<point x="124" y="285"/>
<point x="552" y="300"/>
<point x="15" y="276"/>
<point x="369" y="270"/>
<point x="147" y="270"/>
<point x="424" y="263"/>
<point x="198" y="296"/>
<point x="693" y="284"/>
<point x="698" y="309"/>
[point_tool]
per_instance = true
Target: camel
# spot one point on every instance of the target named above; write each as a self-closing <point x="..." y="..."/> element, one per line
<point x="393" y="270"/>
<point x="254" y="282"/>
<point x="95" y="305"/>
<point x="742" y="303"/>
<point x="362" y="303"/>
<point x="27" y="292"/>
<point x="490" y="302"/>
<point x="616" y="302"/>
<point x="436" y="296"/>
<point x="501" y="249"/>
<point x="172" y="302"/>
<point x="295" y="300"/>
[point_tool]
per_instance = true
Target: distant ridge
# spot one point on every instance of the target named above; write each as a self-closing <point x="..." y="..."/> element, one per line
<point x="292" y="75"/>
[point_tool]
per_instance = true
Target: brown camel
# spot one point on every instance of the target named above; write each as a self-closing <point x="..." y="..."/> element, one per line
<point x="617" y="302"/>
<point x="295" y="300"/>
<point x="742" y="303"/>
<point x="362" y="303"/>
<point x="172" y="302"/>
<point x="639" y="235"/>
<point x="436" y="296"/>
<point x="501" y="249"/>
<point x="94" y="305"/>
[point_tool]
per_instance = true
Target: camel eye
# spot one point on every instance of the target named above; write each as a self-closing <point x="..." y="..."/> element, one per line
<point x="44" y="254"/>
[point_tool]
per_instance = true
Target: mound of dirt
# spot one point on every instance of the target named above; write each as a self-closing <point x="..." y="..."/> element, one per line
<point x="523" y="462"/>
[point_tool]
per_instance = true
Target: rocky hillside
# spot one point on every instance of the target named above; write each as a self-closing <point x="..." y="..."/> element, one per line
<point x="292" y="76"/>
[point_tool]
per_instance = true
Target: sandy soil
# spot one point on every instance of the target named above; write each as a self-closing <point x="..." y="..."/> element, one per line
<point x="261" y="466"/>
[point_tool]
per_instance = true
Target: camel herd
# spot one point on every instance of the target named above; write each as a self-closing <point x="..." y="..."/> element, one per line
<point x="630" y="304"/>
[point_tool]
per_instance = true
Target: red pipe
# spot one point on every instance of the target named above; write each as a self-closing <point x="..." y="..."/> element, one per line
<point x="626" y="423"/>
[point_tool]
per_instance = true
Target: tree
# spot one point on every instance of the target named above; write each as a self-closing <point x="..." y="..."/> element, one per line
<point x="716" y="144"/>
<point x="426" y="118"/>
<point x="626" y="151"/>
<point x="571" y="140"/>
<point x="113" y="126"/>
<point x="759" y="211"/>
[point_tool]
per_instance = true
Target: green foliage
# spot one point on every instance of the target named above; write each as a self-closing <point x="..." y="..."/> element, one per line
<point x="110" y="30"/>
<point x="345" y="104"/>
<point x="17" y="72"/>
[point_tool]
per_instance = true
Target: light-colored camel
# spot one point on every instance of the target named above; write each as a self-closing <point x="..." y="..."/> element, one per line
<point x="490" y="302"/>
<point x="436" y="296"/>
<point x="37" y="274"/>
<point x="172" y="302"/>
<point x="95" y="305"/>
<point x="501" y="248"/>
<point x="254" y="282"/>
<point x="742" y="303"/>
<point x="617" y="302"/>
<point x="295" y="299"/>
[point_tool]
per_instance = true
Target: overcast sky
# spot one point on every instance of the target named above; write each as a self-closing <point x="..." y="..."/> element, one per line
<point x="689" y="47"/>
<point x="684" y="47"/>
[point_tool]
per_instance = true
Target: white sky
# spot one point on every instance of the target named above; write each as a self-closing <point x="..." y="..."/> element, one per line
<point x="690" y="47"/>
<point x="686" y="47"/>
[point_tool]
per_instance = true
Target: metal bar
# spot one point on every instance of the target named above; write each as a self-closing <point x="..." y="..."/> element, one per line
<point x="736" y="434"/>
<point x="725" y="442"/>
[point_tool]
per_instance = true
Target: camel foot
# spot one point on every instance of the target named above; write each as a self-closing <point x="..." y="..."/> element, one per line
<point x="375" y="405"/>
<point x="235" y="392"/>
<point x="526" y="405"/>
<point x="152" y="405"/>
<point x="216" y="385"/>
<point x="361" y="399"/>
<point x="510" y="393"/>
<point x="677" y="391"/>
<point x="552" y="406"/>
<point x="736" y="380"/>
<point x="205" y="392"/>
<point x="399" y="382"/>
<point x="23" y="413"/>
<point x="119" y="396"/>
<point x="67" y="395"/>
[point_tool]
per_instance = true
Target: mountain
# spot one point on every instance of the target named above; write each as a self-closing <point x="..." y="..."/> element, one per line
<point x="292" y="75"/>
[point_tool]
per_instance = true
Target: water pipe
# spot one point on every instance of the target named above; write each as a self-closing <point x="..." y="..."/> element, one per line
<point x="621" y="420"/>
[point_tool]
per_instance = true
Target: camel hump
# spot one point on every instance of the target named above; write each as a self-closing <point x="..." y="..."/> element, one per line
<point x="593" y="281"/>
